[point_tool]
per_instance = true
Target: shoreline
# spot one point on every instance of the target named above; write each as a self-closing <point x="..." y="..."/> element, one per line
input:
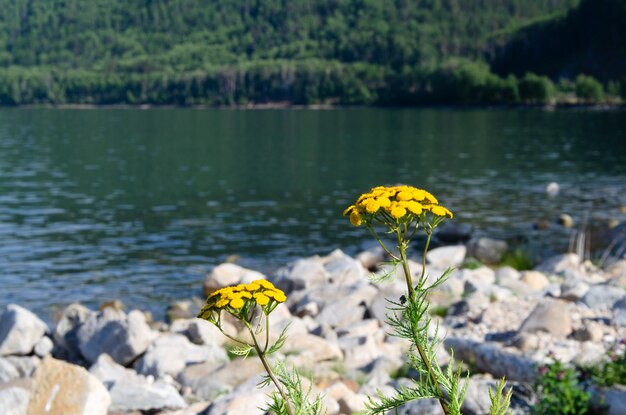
<point x="326" y="107"/>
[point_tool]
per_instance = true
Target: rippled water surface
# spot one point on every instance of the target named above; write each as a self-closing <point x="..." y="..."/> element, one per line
<point x="140" y="204"/>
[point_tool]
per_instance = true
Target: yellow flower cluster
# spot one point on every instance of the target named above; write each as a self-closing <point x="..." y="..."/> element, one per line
<point x="397" y="202"/>
<point x="234" y="298"/>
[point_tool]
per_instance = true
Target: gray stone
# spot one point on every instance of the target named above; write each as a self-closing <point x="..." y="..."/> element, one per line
<point x="8" y="372"/>
<point x="43" y="347"/>
<point x="128" y="397"/>
<point x="198" y="408"/>
<point x="525" y="342"/>
<point x="566" y="220"/>
<point x="110" y="372"/>
<point x="20" y="330"/>
<point x="341" y="314"/>
<point x="15" y="396"/>
<point x="308" y="350"/>
<point x="64" y="335"/>
<point x="304" y="273"/>
<point x="560" y="263"/>
<point x="372" y="258"/>
<point x="615" y="399"/>
<point x="477" y="397"/>
<point x="590" y="332"/>
<point x="507" y="273"/>
<point x="603" y="296"/>
<point x="229" y="274"/>
<point x="421" y="407"/>
<point x="551" y="316"/>
<point x="361" y="293"/>
<point x="246" y="399"/>
<point x="487" y="250"/>
<point x="619" y="317"/>
<point x="535" y="280"/>
<point x="447" y="256"/>
<point x="123" y="337"/>
<point x="573" y="289"/>
<point x="61" y="388"/>
<point x="170" y="353"/>
<point x="349" y="401"/>
<point x="492" y="359"/>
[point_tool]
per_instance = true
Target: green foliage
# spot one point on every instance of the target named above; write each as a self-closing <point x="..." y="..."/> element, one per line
<point x="471" y="263"/>
<point x="612" y="372"/>
<point x="534" y="89"/>
<point x="518" y="258"/>
<point x="560" y="392"/>
<point x="589" y="89"/>
<point x="297" y="395"/>
<point x="500" y="401"/>
<point x="232" y="52"/>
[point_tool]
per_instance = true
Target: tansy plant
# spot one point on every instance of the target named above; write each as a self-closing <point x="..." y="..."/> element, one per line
<point x="403" y="211"/>
<point x="252" y="304"/>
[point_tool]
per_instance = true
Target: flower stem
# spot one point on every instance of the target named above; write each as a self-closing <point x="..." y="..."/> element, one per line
<point x="269" y="371"/>
<point x="402" y="245"/>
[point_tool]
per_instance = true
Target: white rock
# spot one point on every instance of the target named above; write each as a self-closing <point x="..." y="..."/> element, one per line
<point x="311" y="349"/>
<point x="208" y="381"/>
<point x="43" y="347"/>
<point x="123" y="337"/>
<point x="507" y="273"/>
<point x="305" y="273"/>
<point x="25" y="365"/>
<point x="14" y="397"/>
<point x="133" y="396"/>
<point x="229" y="274"/>
<point x="603" y="296"/>
<point x="108" y="371"/>
<point x="535" y="280"/>
<point x="561" y="263"/>
<point x="20" y="330"/>
<point x="170" y="353"/>
<point x="573" y="289"/>
<point x="8" y="372"/>
<point x="343" y="269"/>
<point x="61" y="388"/>
<point x="447" y="256"/>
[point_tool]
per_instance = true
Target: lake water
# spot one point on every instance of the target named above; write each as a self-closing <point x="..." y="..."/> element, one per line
<point x="138" y="205"/>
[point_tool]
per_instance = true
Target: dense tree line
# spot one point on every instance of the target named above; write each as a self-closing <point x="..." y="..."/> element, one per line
<point x="194" y="52"/>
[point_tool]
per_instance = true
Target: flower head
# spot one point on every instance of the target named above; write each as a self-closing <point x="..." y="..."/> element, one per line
<point x="399" y="204"/>
<point x="239" y="299"/>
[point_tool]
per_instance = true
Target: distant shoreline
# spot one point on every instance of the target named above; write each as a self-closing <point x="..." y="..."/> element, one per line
<point x="288" y="106"/>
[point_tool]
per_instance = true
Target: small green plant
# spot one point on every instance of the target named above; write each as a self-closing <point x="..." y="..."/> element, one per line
<point x="402" y="211"/>
<point x="612" y="372"/>
<point x="252" y="305"/>
<point x="560" y="392"/>
<point x="471" y="263"/>
<point x="518" y="259"/>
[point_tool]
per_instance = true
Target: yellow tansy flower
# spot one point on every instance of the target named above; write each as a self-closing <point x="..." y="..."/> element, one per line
<point x="265" y="284"/>
<point x="237" y="303"/>
<point x="397" y="212"/>
<point x="441" y="211"/>
<point x="404" y="195"/>
<point x="384" y="202"/>
<point x="261" y="299"/>
<point x="355" y="218"/>
<point x="372" y="206"/>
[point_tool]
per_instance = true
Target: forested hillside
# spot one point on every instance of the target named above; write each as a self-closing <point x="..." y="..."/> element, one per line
<point x="186" y="52"/>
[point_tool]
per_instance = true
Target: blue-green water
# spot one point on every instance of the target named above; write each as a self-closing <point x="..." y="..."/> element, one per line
<point x="140" y="204"/>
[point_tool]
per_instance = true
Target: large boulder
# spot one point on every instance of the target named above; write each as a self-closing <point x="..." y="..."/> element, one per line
<point x="343" y="269"/>
<point x="121" y="336"/>
<point x="144" y="396"/>
<point x="20" y="330"/>
<point x="447" y="256"/>
<point x="8" y="372"/>
<point x="304" y="273"/>
<point x="603" y="296"/>
<point x="61" y="388"/>
<point x="170" y="353"/>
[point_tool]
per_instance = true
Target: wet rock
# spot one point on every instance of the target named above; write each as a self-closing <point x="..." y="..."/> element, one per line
<point x="487" y="250"/>
<point x="170" y="353"/>
<point x="123" y="337"/>
<point x="127" y="397"/>
<point x="447" y="256"/>
<point x="15" y="396"/>
<point x="451" y="233"/>
<point x="566" y="220"/>
<point x="64" y="335"/>
<point x="551" y="316"/>
<point x="492" y="359"/>
<point x="553" y="188"/>
<point x="61" y="388"/>
<point x="229" y="274"/>
<point x="603" y="296"/>
<point x="20" y="330"/>
<point x="535" y="280"/>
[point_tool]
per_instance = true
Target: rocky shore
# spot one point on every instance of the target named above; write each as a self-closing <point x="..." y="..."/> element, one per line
<point x="499" y="321"/>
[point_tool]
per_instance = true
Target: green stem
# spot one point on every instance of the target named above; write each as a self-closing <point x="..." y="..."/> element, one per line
<point x="269" y="371"/>
<point x="373" y="232"/>
<point x="421" y="281"/>
<point x="402" y="245"/>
